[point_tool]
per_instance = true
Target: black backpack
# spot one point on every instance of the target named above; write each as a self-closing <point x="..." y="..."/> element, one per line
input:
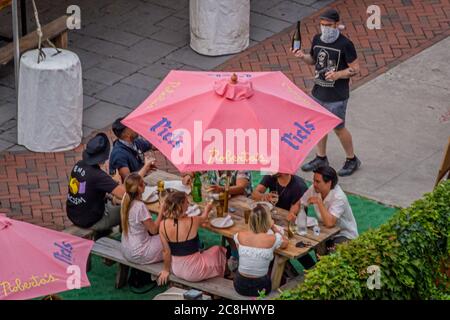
<point x="138" y="279"/>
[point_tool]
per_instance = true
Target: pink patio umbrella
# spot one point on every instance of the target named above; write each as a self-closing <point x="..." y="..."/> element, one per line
<point x="224" y="121"/>
<point x="36" y="261"/>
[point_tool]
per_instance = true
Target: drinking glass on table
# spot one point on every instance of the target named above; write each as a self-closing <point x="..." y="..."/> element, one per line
<point x="206" y="185"/>
<point x="151" y="158"/>
<point x="274" y="200"/>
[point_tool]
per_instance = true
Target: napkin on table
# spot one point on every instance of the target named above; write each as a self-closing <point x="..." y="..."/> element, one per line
<point x="225" y="221"/>
<point x="192" y="210"/>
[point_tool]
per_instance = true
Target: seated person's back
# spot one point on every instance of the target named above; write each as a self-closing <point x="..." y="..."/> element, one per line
<point x="181" y="247"/>
<point x="140" y="241"/>
<point x="88" y="186"/>
<point x="256" y="251"/>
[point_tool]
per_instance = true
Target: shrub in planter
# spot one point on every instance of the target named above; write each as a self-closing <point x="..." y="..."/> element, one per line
<point x="409" y="250"/>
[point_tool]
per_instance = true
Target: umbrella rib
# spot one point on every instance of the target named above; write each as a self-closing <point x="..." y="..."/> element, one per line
<point x="324" y="111"/>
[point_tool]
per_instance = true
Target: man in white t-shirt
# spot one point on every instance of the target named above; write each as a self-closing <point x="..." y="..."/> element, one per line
<point x="330" y="204"/>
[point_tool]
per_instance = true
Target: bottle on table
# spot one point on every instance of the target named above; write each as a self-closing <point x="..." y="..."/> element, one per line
<point x="197" y="188"/>
<point x="161" y="191"/>
<point x="302" y="225"/>
<point x="297" y="38"/>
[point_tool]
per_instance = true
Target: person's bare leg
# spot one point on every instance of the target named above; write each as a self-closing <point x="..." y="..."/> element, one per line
<point x="322" y="147"/>
<point x="346" y="140"/>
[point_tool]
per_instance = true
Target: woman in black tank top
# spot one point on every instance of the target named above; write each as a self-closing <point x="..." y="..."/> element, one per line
<point x="181" y="250"/>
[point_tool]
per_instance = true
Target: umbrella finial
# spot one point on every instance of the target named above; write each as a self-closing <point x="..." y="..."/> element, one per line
<point x="234" y="78"/>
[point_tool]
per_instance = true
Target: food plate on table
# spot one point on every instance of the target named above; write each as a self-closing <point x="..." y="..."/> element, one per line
<point x="222" y="223"/>
<point x="193" y="211"/>
<point x="150" y="194"/>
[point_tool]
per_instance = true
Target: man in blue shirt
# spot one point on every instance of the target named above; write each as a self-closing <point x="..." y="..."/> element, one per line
<point x="128" y="150"/>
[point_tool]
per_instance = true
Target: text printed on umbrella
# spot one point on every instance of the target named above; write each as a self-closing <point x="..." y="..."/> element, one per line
<point x="231" y="146"/>
<point x="64" y="252"/>
<point x="301" y="135"/>
<point x="19" y="286"/>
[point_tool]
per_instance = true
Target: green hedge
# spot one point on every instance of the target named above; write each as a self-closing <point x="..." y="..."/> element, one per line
<point x="410" y="249"/>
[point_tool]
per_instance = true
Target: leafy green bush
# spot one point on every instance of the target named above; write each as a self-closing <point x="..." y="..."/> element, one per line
<point x="410" y="250"/>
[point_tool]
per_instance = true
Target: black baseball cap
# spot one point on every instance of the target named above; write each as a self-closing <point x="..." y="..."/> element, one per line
<point x="330" y="15"/>
<point x="118" y="127"/>
<point x="97" y="150"/>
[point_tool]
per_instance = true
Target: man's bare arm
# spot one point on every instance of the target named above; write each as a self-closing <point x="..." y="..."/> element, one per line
<point x="352" y="70"/>
<point x="305" y="57"/>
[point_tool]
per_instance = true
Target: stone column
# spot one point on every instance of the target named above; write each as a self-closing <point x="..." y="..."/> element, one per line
<point x="219" y="27"/>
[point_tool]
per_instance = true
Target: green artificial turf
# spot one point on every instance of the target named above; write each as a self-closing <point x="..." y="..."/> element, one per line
<point x="368" y="214"/>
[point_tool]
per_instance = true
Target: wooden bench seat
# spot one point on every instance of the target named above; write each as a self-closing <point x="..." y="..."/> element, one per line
<point x="80" y="232"/>
<point x="291" y="284"/>
<point x="55" y="30"/>
<point x="111" y="249"/>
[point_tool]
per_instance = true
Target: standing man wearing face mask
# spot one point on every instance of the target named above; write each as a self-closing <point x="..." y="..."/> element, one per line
<point x="335" y="60"/>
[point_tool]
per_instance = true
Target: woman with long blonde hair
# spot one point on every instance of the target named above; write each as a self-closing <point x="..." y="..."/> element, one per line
<point x="256" y="247"/>
<point x="181" y="245"/>
<point x="140" y="240"/>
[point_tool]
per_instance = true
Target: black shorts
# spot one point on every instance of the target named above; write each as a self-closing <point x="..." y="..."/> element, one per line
<point x="249" y="287"/>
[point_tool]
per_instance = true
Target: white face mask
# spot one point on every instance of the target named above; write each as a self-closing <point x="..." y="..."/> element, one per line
<point x="329" y="34"/>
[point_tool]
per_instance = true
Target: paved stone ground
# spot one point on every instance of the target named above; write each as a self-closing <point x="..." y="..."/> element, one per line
<point x="401" y="125"/>
<point x="33" y="186"/>
<point x="127" y="46"/>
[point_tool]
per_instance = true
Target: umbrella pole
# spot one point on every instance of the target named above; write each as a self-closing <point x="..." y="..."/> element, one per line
<point x="15" y="26"/>
<point x="227" y="188"/>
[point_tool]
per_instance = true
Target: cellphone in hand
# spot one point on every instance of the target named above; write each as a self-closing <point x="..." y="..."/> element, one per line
<point x="302" y="244"/>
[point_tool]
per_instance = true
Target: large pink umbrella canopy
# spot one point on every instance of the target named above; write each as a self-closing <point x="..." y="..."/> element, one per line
<point x="190" y="116"/>
<point x="36" y="261"/>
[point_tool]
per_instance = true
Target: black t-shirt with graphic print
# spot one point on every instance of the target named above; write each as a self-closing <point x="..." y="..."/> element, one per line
<point x="327" y="56"/>
<point x="88" y="186"/>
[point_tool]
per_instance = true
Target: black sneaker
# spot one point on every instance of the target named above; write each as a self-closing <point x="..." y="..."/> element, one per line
<point x="314" y="164"/>
<point x="350" y="166"/>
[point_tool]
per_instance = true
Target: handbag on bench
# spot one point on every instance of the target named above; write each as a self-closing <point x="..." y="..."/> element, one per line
<point x="138" y="279"/>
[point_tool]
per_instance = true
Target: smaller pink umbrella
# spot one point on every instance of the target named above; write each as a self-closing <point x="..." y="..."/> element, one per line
<point x="36" y="261"/>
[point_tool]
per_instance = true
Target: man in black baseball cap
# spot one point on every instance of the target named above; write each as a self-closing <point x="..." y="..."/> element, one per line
<point x="335" y="60"/>
<point x="330" y="15"/>
<point x="128" y="150"/>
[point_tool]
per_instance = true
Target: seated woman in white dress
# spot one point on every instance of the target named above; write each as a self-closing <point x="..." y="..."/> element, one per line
<point x="256" y="248"/>
<point x="141" y="243"/>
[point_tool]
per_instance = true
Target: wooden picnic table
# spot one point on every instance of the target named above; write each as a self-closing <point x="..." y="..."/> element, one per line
<point x="240" y="203"/>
